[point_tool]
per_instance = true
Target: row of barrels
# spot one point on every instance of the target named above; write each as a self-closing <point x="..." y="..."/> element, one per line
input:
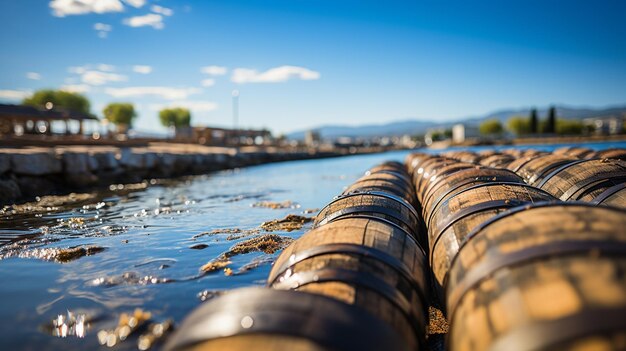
<point x="359" y="280"/>
<point x="516" y="267"/>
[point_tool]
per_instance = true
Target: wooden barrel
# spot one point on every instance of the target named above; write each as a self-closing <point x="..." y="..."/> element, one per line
<point x="548" y="277"/>
<point x="613" y="196"/>
<point x="376" y="204"/>
<point x="497" y="161"/>
<point x="454" y="219"/>
<point x="418" y="172"/>
<point x="365" y="262"/>
<point x="458" y="181"/>
<point x="463" y="156"/>
<point x="412" y="161"/>
<point x="384" y="182"/>
<point x="574" y="151"/>
<point x="441" y="174"/>
<point x="389" y="166"/>
<point x="534" y="169"/>
<point x="584" y="179"/>
<point x="619" y="154"/>
<point x="430" y="168"/>
<point x="266" y="319"/>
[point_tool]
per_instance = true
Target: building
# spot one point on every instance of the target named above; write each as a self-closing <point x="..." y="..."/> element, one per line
<point x="18" y="120"/>
<point x="230" y="137"/>
<point x="462" y="132"/>
<point x="607" y="125"/>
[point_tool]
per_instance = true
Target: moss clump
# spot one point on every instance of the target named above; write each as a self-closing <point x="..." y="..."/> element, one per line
<point x="267" y="243"/>
<point x="289" y="223"/>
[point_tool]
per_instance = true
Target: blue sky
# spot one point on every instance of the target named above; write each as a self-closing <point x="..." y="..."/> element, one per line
<point x="303" y="63"/>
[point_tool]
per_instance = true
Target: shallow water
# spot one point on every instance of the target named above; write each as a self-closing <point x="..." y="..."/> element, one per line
<point x="147" y="262"/>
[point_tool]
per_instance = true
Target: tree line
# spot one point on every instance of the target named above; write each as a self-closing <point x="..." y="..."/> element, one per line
<point x="532" y="125"/>
<point x="121" y="114"/>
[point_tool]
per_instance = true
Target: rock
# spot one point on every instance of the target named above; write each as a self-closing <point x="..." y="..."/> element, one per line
<point x="35" y="163"/>
<point x="9" y="191"/>
<point x="75" y="162"/>
<point x="130" y="159"/>
<point x="36" y="186"/>
<point x="5" y="162"/>
<point x="105" y="160"/>
<point x="79" y="180"/>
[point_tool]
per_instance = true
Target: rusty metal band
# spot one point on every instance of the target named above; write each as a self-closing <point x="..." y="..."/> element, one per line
<point x="323" y="320"/>
<point x="547" y="169"/>
<point x="558" y="170"/>
<point x="550" y="334"/>
<point x="608" y="193"/>
<point x="365" y="280"/>
<point x="588" y="184"/>
<point x="442" y="176"/>
<point x="402" y="201"/>
<point x="456" y="192"/>
<point x="493" y="263"/>
<point x="381" y="188"/>
<point x="468" y="211"/>
<point x="358" y="250"/>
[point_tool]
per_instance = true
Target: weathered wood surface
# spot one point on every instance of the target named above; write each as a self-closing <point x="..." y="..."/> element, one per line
<point x="385" y="182"/>
<point x="265" y="319"/>
<point x="497" y="160"/>
<point x="544" y="278"/>
<point x="535" y="168"/>
<point x="613" y="196"/>
<point x="318" y="261"/>
<point x="575" y="151"/>
<point x="619" y="154"/>
<point x="456" y="217"/>
<point x="585" y="179"/>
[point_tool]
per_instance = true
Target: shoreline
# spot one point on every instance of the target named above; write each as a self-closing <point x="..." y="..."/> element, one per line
<point x="30" y="172"/>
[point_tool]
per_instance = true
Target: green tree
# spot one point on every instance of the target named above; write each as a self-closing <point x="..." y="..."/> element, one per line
<point x="534" y="122"/>
<point x="59" y="99"/>
<point x="568" y="127"/>
<point x="518" y="125"/>
<point x="490" y="127"/>
<point x="550" y="126"/>
<point x="177" y="117"/>
<point x="120" y="113"/>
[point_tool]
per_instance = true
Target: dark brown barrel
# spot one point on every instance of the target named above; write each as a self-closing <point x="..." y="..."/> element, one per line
<point x="584" y="179"/>
<point x="497" y="161"/>
<point x="384" y="182"/>
<point x="614" y="196"/>
<point x="455" y="218"/>
<point x="365" y="262"/>
<point x="266" y="319"/>
<point x="619" y="154"/>
<point x="573" y="151"/>
<point x="534" y="169"/>
<point x="550" y="277"/>
<point x="376" y="204"/>
<point x="458" y="181"/>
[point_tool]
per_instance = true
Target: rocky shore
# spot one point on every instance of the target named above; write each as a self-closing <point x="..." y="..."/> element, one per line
<point x="35" y="171"/>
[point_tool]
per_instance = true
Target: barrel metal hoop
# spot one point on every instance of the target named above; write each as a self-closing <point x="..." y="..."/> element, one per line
<point x="404" y="177"/>
<point x="493" y="263"/>
<point x="528" y="159"/>
<point x="402" y="201"/>
<point x="455" y="190"/>
<point x="468" y="211"/>
<point x="546" y="335"/>
<point x="558" y="170"/>
<point x="440" y="177"/>
<point x="358" y="250"/>
<point x="382" y="188"/>
<point x="547" y="170"/>
<point x="362" y="279"/>
<point x="395" y="181"/>
<point x="410" y="227"/>
<point x="590" y="182"/>
<point x="608" y="193"/>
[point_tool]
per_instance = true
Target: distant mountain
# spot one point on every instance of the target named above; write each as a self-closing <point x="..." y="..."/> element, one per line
<point x="413" y="127"/>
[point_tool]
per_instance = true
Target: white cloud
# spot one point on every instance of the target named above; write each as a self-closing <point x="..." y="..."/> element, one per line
<point x="100" y="78"/>
<point x="82" y="69"/>
<point x="135" y="3"/>
<point x="106" y="68"/>
<point x="162" y="10"/>
<point x="143" y="69"/>
<point x="273" y="75"/>
<point x="76" y="88"/>
<point x="162" y="92"/>
<point x="151" y="19"/>
<point x="193" y="105"/>
<point x="209" y="82"/>
<point x="13" y="95"/>
<point x="33" y="75"/>
<point x="214" y="70"/>
<point x="102" y="29"/>
<point x="62" y="8"/>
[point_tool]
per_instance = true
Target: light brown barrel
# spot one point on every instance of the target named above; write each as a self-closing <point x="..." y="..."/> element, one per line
<point x="614" y="196"/>
<point x="385" y="182"/>
<point x="584" y="179"/>
<point x="619" y="154"/>
<point x="497" y="161"/>
<point x="266" y="319"/>
<point x="365" y="262"/>
<point x="549" y="277"/>
<point x="424" y="166"/>
<point x="458" y="215"/>
<point x="534" y="169"/>
<point x="458" y="181"/>
<point x="432" y="169"/>
<point x="463" y="156"/>
<point x="574" y="151"/>
<point x="388" y="166"/>
<point x="376" y="204"/>
<point x="441" y="174"/>
<point x="412" y="161"/>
